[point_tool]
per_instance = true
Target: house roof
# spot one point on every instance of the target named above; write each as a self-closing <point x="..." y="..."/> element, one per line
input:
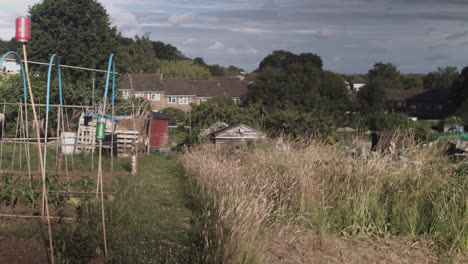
<point x="431" y="96"/>
<point x="208" y="88"/>
<point x="142" y="82"/>
<point x="233" y="87"/>
<point x="178" y="87"/>
<point x="399" y="95"/>
<point x="9" y="57"/>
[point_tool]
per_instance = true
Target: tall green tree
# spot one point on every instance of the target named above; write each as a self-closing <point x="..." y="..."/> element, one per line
<point x="79" y="32"/>
<point x="443" y="78"/>
<point x="141" y="57"/>
<point x="166" y="51"/>
<point x="372" y="96"/>
<point x="280" y="59"/>
<point x="412" y="81"/>
<point x="458" y="93"/>
<point x="387" y="74"/>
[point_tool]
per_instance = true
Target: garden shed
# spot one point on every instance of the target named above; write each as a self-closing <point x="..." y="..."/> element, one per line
<point x="159" y="133"/>
<point x="237" y="134"/>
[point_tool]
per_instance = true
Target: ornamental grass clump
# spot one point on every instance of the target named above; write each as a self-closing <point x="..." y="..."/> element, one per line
<point x="249" y="191"/>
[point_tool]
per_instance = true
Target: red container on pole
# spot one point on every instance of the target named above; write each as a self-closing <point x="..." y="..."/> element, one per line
<point x="23" y="29"/>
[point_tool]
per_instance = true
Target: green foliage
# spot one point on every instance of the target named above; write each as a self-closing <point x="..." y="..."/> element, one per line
<point x="79" y="32"/>
<point x="166" y="51"/>
<point x="280" y="59"/>
<point x="388" y="122"/>
<point x="386" y="74"/>
<point x="216" y="70"/>
<point x="412" y="81"/>
<point x="458" y="93"/>
<point x="372" y="96"/>
<point x="142" y="58"/>
<point x="443" y="78"/>
<point x="183" y="69"/>
<point x="177" y="116"/>
<point x="234" y="68"/>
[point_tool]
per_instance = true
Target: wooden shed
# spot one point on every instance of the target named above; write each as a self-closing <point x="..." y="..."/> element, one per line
<point x="159" y="133"/>
<point x="387" y="141"/>
<point x="237" y="134"/>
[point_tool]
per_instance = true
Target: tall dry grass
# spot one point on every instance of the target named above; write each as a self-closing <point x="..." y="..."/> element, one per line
<point x="246" y="192"/>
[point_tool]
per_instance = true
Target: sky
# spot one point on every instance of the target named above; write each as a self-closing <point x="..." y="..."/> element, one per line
<point x="350" y="35"/>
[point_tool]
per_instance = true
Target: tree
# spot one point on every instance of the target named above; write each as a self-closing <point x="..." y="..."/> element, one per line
<point x="372" y="96"/>
<point x="79" y="32"/>
<point x="234" y="68"/>
<point x="141" y="56"/>
<point x="216" y="70"/>
<point x="166" y="51"/>
<point x="183" y="69"/>
<point x="200" y="61"/>
<point x="443" y="78"/>
<point x="458" y="93"/>
<point x="387" y="74"/>
<point x="412" y="81"/>
<point x="280" y="59"/>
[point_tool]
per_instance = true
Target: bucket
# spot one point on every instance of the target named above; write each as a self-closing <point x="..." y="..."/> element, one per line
<point x="68" y="145"/>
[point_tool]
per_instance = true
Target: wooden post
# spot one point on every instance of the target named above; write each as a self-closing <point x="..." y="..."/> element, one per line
<point x="102" y="200"/>
<point x="3" y="133"/>
<point x="44" y="193"/>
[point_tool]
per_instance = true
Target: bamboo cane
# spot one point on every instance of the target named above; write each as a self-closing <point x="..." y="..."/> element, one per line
<point x="44" y="193"/>
<point x="3" y="133"/>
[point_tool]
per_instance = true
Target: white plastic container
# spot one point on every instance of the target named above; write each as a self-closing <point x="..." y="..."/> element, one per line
<point x="68" y="145"/>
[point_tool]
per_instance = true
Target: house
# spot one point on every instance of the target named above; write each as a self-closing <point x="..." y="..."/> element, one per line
<point x="10" y="65"/>
<point x="237" y="134"/>
<point x="420" y="103"/>
<point x="356" y="86"/>
<point x="180" y="93"/>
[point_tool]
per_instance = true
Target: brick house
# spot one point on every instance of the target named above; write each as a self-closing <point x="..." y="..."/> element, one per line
<point x="180" y="93"/>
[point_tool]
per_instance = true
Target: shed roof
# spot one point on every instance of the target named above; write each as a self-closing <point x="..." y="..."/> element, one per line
<point x="160" y="116"/>
<point x="223" y="131"/>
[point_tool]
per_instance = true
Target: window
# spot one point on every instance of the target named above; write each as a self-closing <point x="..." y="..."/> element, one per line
<point x="155" y="96"/>
<point x="184" y="100"/>
<point x="171" y="100"/>
<point x="125" y="94"/>
<point x="139" y="95"/>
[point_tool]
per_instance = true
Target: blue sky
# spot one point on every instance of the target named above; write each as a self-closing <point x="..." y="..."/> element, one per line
<point x="349" y="35"/>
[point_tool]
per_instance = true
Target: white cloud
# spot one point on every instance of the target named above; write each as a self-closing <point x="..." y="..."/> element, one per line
<point x="216" y="45"/>
<point x="125" y="21"/>
<point x="234" y="51"/>
<point x="178" y="19"/>
<point x="251" y="30"/>
<point x="189" y="41"/>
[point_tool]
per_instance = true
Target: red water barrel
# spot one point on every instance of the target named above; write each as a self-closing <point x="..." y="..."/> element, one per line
<point x="23" y="29"/>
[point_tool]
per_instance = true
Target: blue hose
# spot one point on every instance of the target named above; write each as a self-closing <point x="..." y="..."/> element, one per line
<point x="22" y="70"/>
<point x="48" y="81"/>
<point x="111" y="63"/>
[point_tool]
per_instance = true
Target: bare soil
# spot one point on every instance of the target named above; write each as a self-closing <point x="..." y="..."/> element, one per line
<point x="295" y="246"/>
<point x="22" y="250"/>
